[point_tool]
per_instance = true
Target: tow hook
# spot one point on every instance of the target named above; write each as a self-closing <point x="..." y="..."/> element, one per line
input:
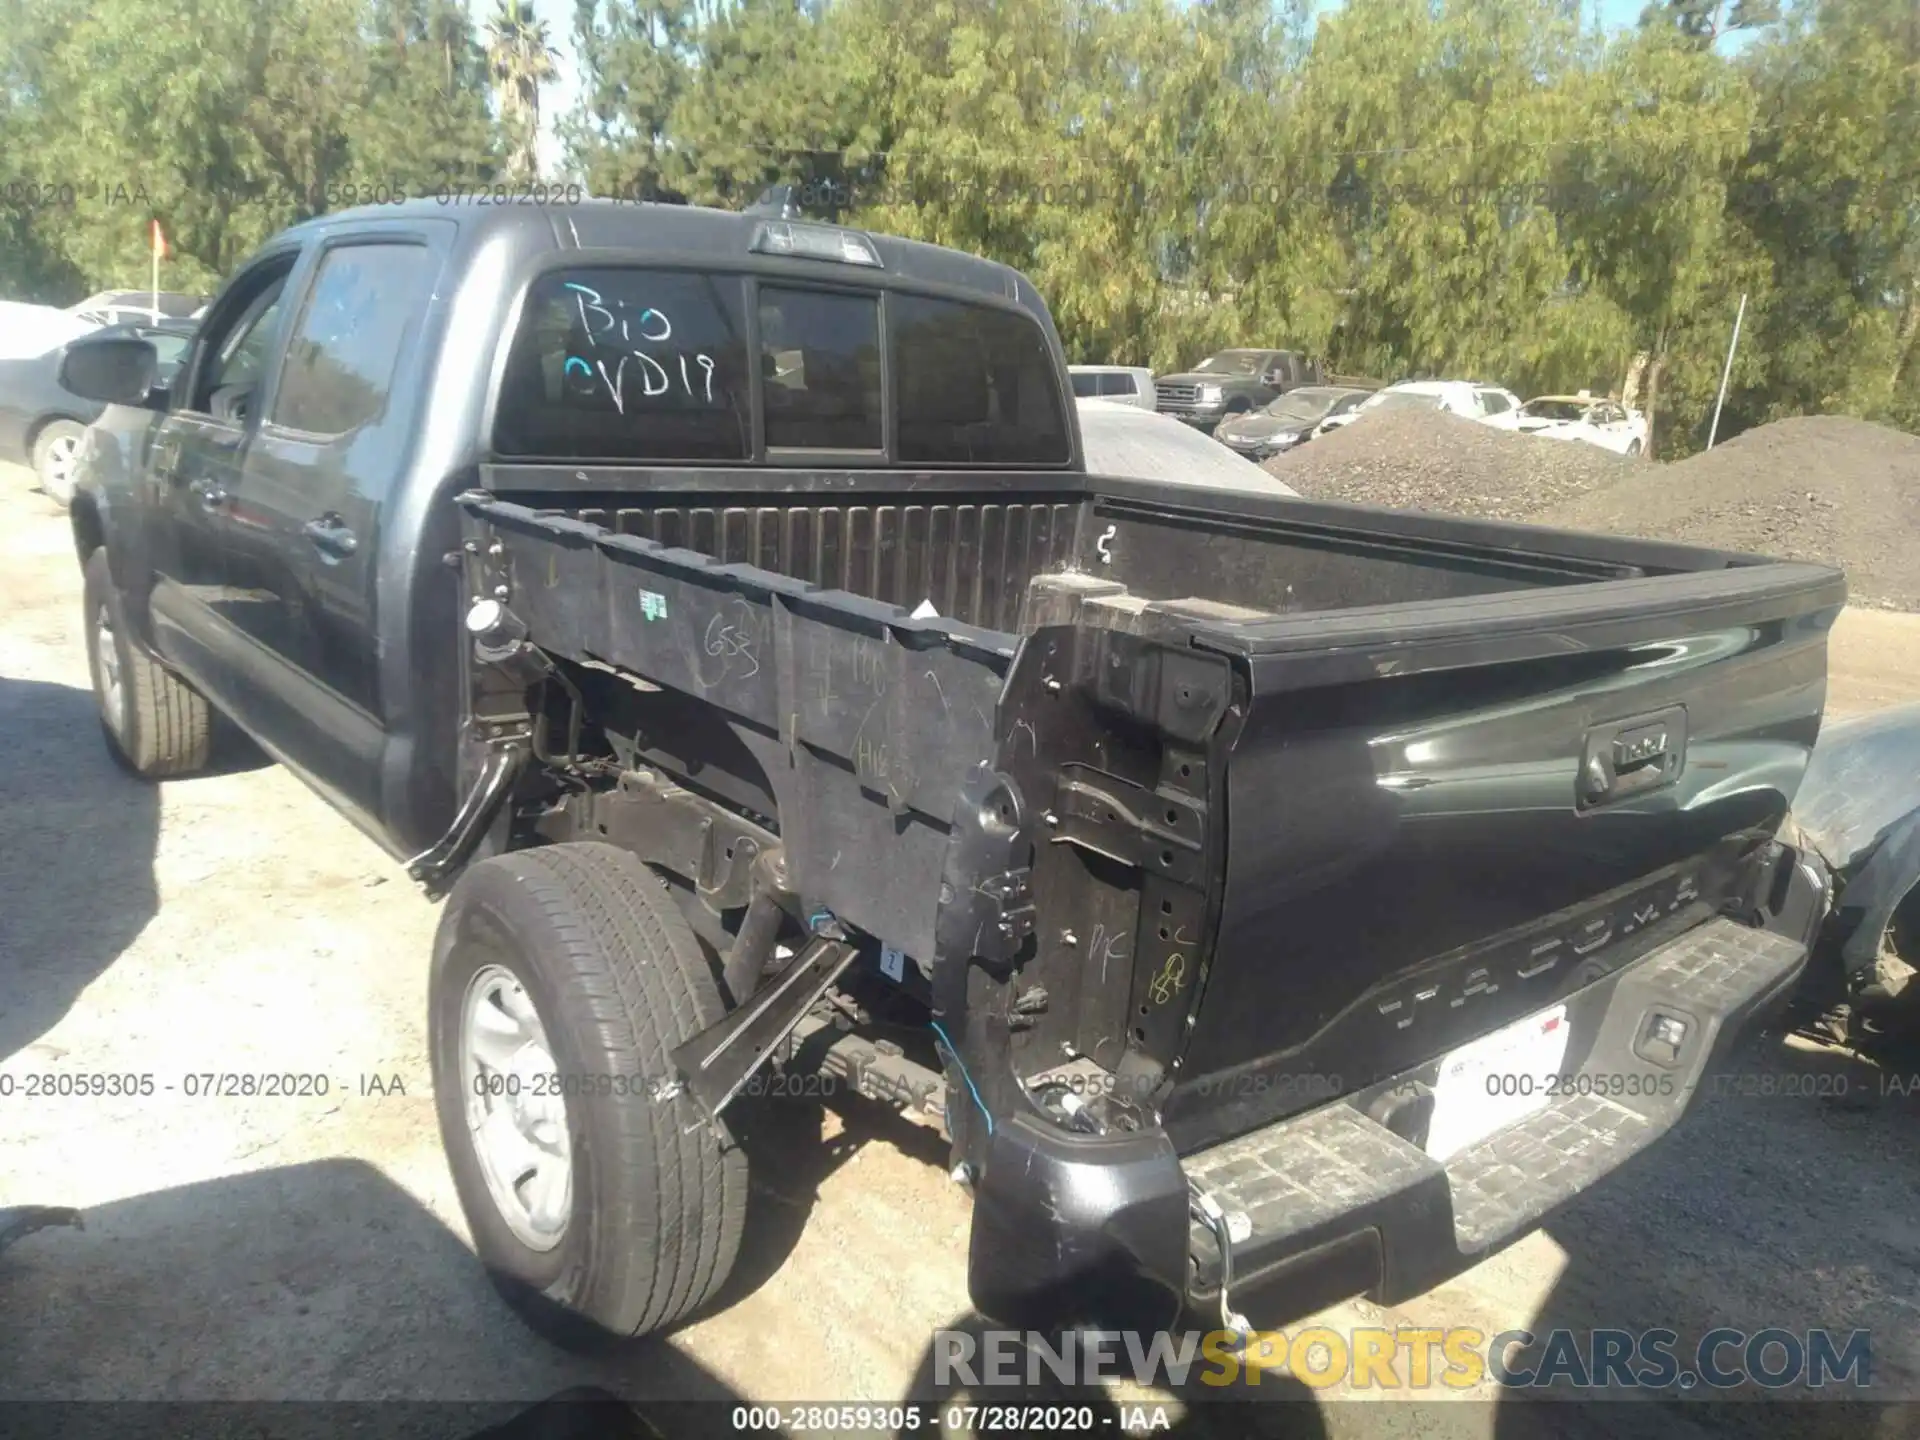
<point x="1204" y="1208"/>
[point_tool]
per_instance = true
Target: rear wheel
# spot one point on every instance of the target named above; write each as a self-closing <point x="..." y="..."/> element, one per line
<point x="155" y="723"/>
<point x="55" y="451"/>
<point x="563" y="979"/>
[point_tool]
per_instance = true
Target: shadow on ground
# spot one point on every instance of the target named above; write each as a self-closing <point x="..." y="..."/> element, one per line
<point x="1805" y="1163"/>
<point x="328" y="1283"/>
<point x="790" y="1162"/>
<point x="76" y="860"/>
<point x="325" y="1282"/>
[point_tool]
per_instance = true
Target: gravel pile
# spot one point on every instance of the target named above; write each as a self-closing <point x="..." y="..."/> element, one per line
<point x="1818" y="487"/>
<point x="1822" y="487"/>
<point x="1424" y="460"/>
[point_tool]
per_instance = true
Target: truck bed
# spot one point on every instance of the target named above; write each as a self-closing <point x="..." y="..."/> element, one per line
<point x="1312" y="792"/>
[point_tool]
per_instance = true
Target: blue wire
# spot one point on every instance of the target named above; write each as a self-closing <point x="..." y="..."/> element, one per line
<point x="954" y="1051"/>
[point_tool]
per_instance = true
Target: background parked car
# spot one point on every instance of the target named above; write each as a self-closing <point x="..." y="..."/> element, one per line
<point x="1122" y="440"/>
<point x="42" y="422"/>
<point x="1467" y="398"/>
<point x="1231" y="381"/>
<point x="1602" y="422"/>
<point x="1125" y="384"/>
<point x="137" y="307"/>
<point x="29" y="330"/>
<point x="1284" y="423"/>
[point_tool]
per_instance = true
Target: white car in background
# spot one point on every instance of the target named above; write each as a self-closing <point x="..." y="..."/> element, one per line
<point x="1143" y="445"/>
<point x="137" y="307"/>
<point x="30" y="330"/>
<point x="1124" y="384"/>
<point x="1467" y="398"/>
<point x="1606" y="423"/>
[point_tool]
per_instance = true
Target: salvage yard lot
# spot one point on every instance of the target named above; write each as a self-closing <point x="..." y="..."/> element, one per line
<point x="311" y="1247"/>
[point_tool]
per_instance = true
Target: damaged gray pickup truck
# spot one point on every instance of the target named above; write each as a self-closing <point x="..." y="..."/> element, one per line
<point x="1274" y="901"/>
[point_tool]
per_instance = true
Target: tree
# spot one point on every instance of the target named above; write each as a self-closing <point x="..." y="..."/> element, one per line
<point x="425" y="126"/>
<point x="223" y="143"/>
<point x="30" y="266"/>
<point x="1703" y="22"/>
<point x="520" y="58"/>
<point x="634" y="58"/>
<point x="1419" y="164"/>
<point x="1668" y="126"/>
<point x="1827" y="189"/>
<point x="301" y="109"/>
<point x="768" y="99"/>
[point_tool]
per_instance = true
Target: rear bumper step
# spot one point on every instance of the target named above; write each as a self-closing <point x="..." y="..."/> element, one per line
<point x="1345" y="1200"/>
<point x="1334" y="1203"/>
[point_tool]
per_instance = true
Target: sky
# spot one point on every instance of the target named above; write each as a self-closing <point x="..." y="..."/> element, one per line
<point x="559" y="97"/>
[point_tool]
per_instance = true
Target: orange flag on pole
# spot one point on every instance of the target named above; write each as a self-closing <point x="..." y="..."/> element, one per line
<point x="159" y="248"/>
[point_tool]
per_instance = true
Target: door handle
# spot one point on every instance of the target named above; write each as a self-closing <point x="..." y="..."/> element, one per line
<point x="331" y="536"/>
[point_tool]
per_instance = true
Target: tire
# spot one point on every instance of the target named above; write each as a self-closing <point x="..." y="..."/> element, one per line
<point x="653" y="1205"/>
<point x="155" y="724"/>
<point x="54" y="452"/>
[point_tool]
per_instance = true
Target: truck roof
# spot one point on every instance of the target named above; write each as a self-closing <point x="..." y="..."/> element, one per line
<point x="696" y="232"/>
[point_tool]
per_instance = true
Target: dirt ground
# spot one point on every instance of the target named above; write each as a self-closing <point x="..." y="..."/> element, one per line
<point x="311" y="1248"/>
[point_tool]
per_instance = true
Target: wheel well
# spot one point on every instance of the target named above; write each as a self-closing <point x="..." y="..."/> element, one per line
<point x="88" y="533"/>
<point x="1903" y="928"/>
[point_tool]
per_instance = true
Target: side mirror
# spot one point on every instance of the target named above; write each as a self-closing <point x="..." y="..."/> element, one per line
<point x="113" y="369"/>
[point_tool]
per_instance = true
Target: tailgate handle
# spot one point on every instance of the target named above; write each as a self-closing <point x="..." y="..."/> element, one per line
<point x="1631" y="757"/>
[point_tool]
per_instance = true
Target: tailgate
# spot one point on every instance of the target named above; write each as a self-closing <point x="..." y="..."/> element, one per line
<point x="1433" y="820"/>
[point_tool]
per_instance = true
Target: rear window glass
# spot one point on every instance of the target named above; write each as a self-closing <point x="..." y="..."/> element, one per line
<point x="820" y="369"/>
<point x="1118" y="383"/>
<point x="975" y="386"/>
<point x="647" y="365"/>
<point x="628" y="365"/>
<point x="1088" y="385"/>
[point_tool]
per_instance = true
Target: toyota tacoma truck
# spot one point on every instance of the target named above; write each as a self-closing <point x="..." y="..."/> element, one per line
<point x="1273" y="900"/>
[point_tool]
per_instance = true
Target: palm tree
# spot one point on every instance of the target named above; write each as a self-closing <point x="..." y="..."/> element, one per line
<point x="520" y="58"/>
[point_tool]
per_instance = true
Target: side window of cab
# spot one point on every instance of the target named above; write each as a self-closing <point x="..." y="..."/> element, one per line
<point x="236" y="342"/>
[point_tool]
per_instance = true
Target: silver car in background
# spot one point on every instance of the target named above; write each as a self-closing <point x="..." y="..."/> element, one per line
<point x="1122" y="384"/>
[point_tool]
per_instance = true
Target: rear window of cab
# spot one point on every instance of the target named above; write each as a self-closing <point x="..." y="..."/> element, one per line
<point x="633" y="364"/>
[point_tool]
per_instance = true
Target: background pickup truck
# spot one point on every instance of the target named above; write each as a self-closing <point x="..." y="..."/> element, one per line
<point x="1232" y="382"/>
<point x="1274" y="901"/>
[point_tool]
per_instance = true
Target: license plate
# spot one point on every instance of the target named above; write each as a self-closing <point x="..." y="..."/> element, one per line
<point x="1496" y="1080"/>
